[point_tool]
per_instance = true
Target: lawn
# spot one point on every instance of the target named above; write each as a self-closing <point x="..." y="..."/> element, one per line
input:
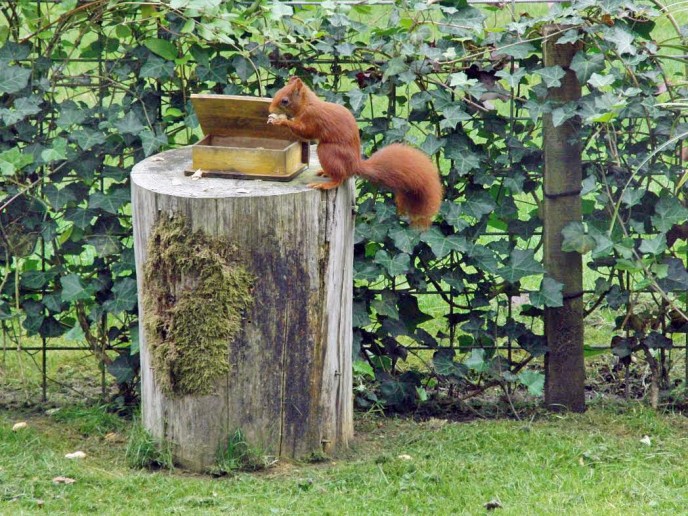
<point x="614" y="459"/>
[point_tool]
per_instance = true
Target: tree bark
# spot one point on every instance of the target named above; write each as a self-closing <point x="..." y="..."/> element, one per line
<point x="289" y="389"/>
<point x="564" y="361"/>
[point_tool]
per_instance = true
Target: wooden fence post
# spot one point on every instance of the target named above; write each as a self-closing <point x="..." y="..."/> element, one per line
<point x="564" y="362"/>
<point x="285" y="381"/>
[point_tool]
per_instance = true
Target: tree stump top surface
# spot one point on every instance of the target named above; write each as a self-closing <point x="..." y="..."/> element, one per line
<point x="164" y="174"/>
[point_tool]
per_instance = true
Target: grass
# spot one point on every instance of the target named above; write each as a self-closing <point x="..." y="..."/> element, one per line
<point x="594" y="463"/>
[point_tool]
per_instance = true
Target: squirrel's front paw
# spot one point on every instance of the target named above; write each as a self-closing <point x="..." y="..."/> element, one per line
<point x="275" y="119"/>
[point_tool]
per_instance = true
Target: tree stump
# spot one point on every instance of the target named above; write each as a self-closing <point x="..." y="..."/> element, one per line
<point x="286" y="385"/>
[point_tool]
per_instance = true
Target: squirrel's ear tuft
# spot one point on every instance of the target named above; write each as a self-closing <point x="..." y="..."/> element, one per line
<point x="296" y="82"/>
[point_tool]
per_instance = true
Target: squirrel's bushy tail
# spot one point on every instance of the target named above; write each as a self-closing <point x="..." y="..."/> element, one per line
<point x="413" y="178"/>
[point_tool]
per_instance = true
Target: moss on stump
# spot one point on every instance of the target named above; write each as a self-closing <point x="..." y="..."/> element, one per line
<point x="194" y="295"/>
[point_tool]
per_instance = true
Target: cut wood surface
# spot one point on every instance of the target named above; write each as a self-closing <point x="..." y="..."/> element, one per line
<point x="289" y="390"/>
<point x="236" y="115"/>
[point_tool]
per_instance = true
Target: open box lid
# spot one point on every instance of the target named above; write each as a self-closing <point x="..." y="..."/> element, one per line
<point x="237" y="115"/>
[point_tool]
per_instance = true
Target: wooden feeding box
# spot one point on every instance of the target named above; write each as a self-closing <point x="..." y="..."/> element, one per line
<point x="239" y="143"/>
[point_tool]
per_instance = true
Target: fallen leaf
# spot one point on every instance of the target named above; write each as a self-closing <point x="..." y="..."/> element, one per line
<point x="646" y="440"/>
<point x="404" y="456"/>
<point x="63" y="480"/>
<point x="114" y="437"/>
<point x="19" y="426"/>
<point x="75" y="455"/>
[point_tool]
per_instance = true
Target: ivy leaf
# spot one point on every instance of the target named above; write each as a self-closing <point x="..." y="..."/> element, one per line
<point x="616" y="298"/>
<point x="432" y="144"/>
<point x="125" y="299"/>
<point x="366" y="270"/>
<point x="156" y="68"/>
<point x="477" y="362"/>
<point x="440" y="244"/>
<point x="152" y="141"/>
<point x="512" y="79"/>
<point x="56" y="152"/>
<point x="654" y="246"/>
<point x="386" y="305"/>
<point x="73" y="289"/>
<point x="586" y="64"/>
<point x="576" y="239"/>
<point x="621" y="39"/>
<point x="656" y="340"/>
<point x="88" y="138"/>
<point x="130" y="124"/>
<point x="549" y="295"/>
<point x="478" y="204"/>
<point x="453" y="116"/>
<point x="564" y="113"/>
<point x="570" y="36"/>
<point x="14" y="159"/>
<point x="534" y="381"/>
<point x="71" y="114"/>
<point x="105" y="244"/>
<point x="410" y="313"/>
<point x="517" y="50"/>
<point x="395" y="265"/>
<point x="677" y="276"/>
<point x="534" y="344"/>
<point x="521" y="264"/>
<point x="632" y="196"/>
<point x="242" y="67"/>
<point x="600" y="81"/>
<point x="357" y="99"/>
<point x="23" y="107"/>
<point x="669" y="211"/>
<point x="58" y="198"/>
<point x="13" y="78"/>
<point x="110" y="202"/>
<point x="36" y="280"/>
<point x="394" y="67"/>
<point x="484" y="258"/>
<point x="551" y="75"/>
<point x="279" y="10"/>
<point x="444" y="364"/>
<point x="404" y="238"/>
<point x="162" y="48"/>
<point x="81" y="217"/>
<point x="452" y="215"/>
<point x="360" y="317"/>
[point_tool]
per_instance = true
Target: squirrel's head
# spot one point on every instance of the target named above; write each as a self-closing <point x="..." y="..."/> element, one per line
<point x="289" y="99"/>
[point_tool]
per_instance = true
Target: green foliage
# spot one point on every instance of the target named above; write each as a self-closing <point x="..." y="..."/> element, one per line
<point x="89" y="421"/>
<point x="238" y="455"/>
<point x="144" y="451"/>
<point x="88" y="90"/>
<point x="397" y="464"/>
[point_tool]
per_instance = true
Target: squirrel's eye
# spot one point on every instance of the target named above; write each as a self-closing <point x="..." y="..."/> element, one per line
<point x="284" y="101"/>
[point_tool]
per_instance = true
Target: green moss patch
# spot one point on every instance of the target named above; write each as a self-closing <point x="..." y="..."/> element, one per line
<point x="194" y="295"/>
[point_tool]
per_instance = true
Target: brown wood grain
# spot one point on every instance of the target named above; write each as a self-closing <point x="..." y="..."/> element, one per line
<point x="289" y="389"/>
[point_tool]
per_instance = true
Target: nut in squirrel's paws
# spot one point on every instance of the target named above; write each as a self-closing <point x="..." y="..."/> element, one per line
<point x="274" y="117"/>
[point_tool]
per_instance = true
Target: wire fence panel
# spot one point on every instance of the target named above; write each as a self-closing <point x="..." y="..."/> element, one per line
<point x="89" y="88"/>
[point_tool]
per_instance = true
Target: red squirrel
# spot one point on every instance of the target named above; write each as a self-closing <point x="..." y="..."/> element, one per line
<point x="408" y="172"/>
